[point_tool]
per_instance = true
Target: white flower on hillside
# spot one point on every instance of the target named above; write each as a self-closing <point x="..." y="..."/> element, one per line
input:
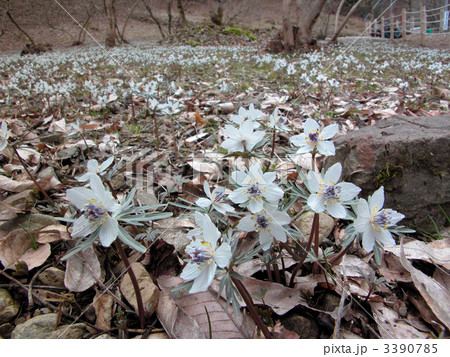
<point x="257" y="188"/>
<point x="374" y="222"/>
<point x="268" y="223"/>
<point x="170" y="108"/>
<point x="314" y="138"/>
<point x="215" y="198"/>
<point x="243" y="139"/>
<point x="250" y="114"/>
<point x="94" y="169"/>
<point x="328" y="195"/>
<point x="205" y="255"/>
<point x="277" y="121"/>
<point x="98" y="209"/>
<point x="4" y="135"/>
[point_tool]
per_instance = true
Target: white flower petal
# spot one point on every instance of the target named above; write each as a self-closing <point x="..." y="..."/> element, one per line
<point x="329" y="131"/>
<point x="106" y="164"/>
<point x="238" y="196"/>
<point x="310" y="125"/>
<point x="272" y="193"/>
<point x="314" y="181"/>
<point x="203" y="202"/>
<point x="255" y="205"/>
<point x="108" y="231"/>
<point x="385" y="237"/>
<point x="376" y="201"/>
<point x="247" y="224"/>
<point x="348" y="191"/>
<point x="368" y="240"/>
<point x="92" y="166"/>
<point x="316" y="203"/>
<point x="79" y="196"/>
<point x="278" y="232"/>
<point x="326" y="148"/>
<point x="190" y="271"/>
<point x="204" y="279"/>
<point x="222" y="255"/>
<point x="83" y="227"/>
<point x="336" y="210"/>
<point x="333" y="174"/>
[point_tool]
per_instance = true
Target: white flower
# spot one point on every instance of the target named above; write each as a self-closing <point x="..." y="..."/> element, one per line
<point x="268" y="223"/>
<point x="333" y="83"/>
<point x="94" y="169"/>
<point x="243" y="139"/>
<point x="216" y="199"/>
<point x="314" y="138"/>
<point x="328" y="194"/>
<point x="170" y="108"/>
<point x="204" y="254"/>
<point x="373" y="221"/>
<point x="277" y="121"/>
<point x="250" y="114"/>
<point x="4" y="135"/>
<point x="257" y="188"/>
<point x="98" y="208"/>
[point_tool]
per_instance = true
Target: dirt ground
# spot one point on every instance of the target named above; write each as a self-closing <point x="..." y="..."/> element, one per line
<point x="46" y="22"/>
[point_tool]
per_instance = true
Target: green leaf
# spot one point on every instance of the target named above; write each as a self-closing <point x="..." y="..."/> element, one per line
<point x="82" y="246"/>
<point x="125" y="237"/>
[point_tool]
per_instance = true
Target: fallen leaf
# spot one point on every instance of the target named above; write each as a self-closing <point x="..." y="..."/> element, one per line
<point x="186" y="317"/>
<point x="280" y="332"/>
<point x="149" y="291"/>
<point x="390" y="326"/>
<point x="434" y="294"/>
<point x="17" y="246"/>
<point x="280" y="298"/>
<point x="9" y="185"/>
<point x="53" y="233"/>
<point x="393" y="270"/>
<point x="103" y="304"/>
<point x="437" y="252"/>
<point x="198" y="119"/>
<point x="82" y="270"/>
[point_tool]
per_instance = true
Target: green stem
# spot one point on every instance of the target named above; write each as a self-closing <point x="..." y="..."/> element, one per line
<point x="134" y="281"/>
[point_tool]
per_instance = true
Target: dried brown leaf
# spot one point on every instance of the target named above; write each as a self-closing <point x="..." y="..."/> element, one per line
<point x="82" y="270"/>
<point x="17" y="247"/>
<point x="53" y="233"/>
<point x="149" y="291"/>
<point x="437" y="252"/>
<point x="103" y="304"/>
<point x="391" y="326"/>
<point x="186" y="317"/>
<point x="9" y="185"/>
<point x="434" y="294"/>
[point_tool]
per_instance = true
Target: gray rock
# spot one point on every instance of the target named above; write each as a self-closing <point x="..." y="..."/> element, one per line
<point x="226" y="108"/>
<point x="44" y="326"/>
<point x="304" y="224"/>
<point x="52" y="277"/>
<point x="68" y="152"/>
<point x="8" y="307"/>
<point x="302" y="326"/>
<point x="409" y="156"/>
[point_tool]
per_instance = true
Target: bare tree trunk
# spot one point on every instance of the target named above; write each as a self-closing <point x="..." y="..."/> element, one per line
<point x="336" y="33"/>
<point x="182" y="14"/>
<point x="110" y="11"/>
<point x="288" y="31"/>
<point x="307" y="20"/>
<point x="338" y="12"/>
<point x="154" y="18"/>
<point x="169" y="16"/>
<point x="215" y="13"/>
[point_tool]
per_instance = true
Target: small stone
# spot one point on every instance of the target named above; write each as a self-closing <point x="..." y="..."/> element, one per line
<point x="8" y="307"/>
<point x="6" y="330"/>
<point x="44" y="327"/>
<point x="304" y="224"/>
<point x="226" y="108"/>
<point x="68" y="152"/>
<point x="302" y="326"/>
<point x="52" y="277"/>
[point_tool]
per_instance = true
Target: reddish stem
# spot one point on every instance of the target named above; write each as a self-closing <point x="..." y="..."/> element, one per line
<point x="134" y="281"/>
<point x="316" y="245"/>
